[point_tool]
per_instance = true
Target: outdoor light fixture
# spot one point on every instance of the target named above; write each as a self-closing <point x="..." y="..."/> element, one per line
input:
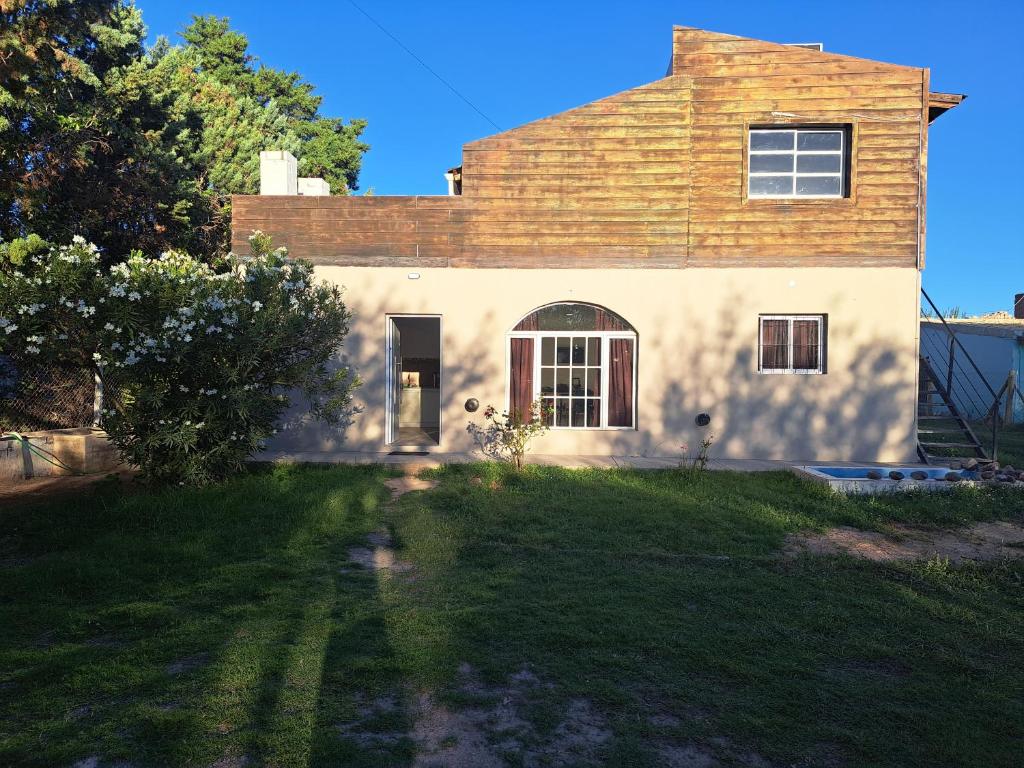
<point x="703" y="419"/>
<point x="472" y="404"/>
<point x="414" y="275"/>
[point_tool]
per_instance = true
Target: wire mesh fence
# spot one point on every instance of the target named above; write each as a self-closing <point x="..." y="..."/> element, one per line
<point x="44" y="397"/>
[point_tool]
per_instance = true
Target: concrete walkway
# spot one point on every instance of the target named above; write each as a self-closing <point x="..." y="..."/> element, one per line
<point x="549" y="460"/>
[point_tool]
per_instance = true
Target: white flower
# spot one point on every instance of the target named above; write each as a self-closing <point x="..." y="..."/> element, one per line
<point x="78" y="240"/>
<point x="31" y="348"/>
<point x="134" y="296"/>
<point x="256" y="306"/>
<point x="34" y="339"/>
<point x="183" y="388"/>
<point x="108" y="327"/>
<point x="97" y="357"/>
<point x="10" y="328"/>
<point x="187" y="337"/>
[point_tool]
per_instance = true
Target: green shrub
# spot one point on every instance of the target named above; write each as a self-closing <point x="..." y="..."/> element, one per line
<point x="198" y="365"/>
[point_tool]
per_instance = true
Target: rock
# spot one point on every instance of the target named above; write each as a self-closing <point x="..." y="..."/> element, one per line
<point x="919" y="474"/>
<point x="987" y="474"/>
<point x="874" y="474"/>
<point x="896" y="475"/>
<point x="1006" y="479"/>
<point x="971" y="464"/>
<point x="953" y="477"/>
<point x="956" y="465"/>
<point x="1008" y="469"/>
<point x="994" y="466"/>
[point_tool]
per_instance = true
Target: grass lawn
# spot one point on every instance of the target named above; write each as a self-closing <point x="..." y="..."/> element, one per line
<point x="594" y="617"/>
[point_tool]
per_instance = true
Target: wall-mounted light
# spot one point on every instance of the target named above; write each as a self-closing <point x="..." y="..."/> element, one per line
<point x="414" y="275"/>
<point x="703" y="419"/>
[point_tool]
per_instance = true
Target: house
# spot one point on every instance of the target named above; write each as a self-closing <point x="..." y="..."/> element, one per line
<point x="989" y="353"/>
<point x="741" y="239"/>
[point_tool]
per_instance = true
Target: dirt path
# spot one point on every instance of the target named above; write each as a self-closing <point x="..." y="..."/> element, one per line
<point x="981" y="541"/>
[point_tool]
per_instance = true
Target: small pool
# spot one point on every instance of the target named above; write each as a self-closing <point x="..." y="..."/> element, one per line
<point x="861" y="473"/>
<point x="856" y="480"/>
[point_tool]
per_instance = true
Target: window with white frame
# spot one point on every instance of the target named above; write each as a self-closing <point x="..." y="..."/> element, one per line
<point x="579" y="362"/>
<point x="797" y="162"/>
<point x="791" y="344"/>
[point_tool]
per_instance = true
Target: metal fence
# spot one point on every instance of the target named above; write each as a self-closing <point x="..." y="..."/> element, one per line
<point x="47" y="397"/>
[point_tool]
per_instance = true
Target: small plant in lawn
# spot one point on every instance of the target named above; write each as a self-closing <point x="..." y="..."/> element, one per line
<point x="508" y="436"/>
<point x="197" y="363"/>
<point x="698" y="463"/>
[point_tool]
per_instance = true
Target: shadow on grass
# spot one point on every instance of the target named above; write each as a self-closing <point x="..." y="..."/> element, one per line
<point x="177" y="627"/>
<point x="191" y="626"/>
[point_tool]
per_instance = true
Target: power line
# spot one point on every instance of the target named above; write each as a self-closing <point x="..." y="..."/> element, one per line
<point x="426" y="66"/>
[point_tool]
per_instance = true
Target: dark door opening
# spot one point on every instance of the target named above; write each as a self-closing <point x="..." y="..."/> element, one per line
<point x="414" y="392"/>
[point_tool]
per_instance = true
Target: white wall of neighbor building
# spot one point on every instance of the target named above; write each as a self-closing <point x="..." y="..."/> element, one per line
<point x="697" y="332"/>
<point x="995" y="357"/>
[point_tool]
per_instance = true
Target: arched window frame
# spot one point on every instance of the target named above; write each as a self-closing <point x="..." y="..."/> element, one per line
<point x="604" y="337"/>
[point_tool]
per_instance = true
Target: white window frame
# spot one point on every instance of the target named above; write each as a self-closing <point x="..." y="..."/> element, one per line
<point x="796" y="153"/>
<point x="605" y="337"/>
<point x="819" y="319"/>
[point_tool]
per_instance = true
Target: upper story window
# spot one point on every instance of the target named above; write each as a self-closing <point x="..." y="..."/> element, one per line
<point x="798" y="162"/>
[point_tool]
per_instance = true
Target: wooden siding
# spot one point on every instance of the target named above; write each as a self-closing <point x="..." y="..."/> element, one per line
<point x="654" y="176"/>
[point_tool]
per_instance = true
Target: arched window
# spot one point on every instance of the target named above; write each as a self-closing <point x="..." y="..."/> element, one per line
<point x="579" y="361"/>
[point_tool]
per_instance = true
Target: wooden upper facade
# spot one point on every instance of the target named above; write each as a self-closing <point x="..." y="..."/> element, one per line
<point x="655" y="176"/>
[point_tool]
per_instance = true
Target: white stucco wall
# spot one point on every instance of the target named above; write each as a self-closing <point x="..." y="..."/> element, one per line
<point x="697" y="332"/>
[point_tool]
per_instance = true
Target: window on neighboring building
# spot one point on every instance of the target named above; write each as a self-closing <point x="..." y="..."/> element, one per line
<point x="791" y="344"/>
<point x="797" y="162"/>
<point x="579" y="362"/>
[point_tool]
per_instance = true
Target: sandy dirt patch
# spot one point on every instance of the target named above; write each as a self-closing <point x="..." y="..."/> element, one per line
<point x="981" y="541"/>
<point x="407" y="483"/>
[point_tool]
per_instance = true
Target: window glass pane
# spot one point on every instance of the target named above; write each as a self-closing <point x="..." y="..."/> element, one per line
<point x="562" y="412"/>
<point x="547" y="381"/>
<point x="771" y="185"/>
<point x="562" y="350"/>
<point x="562" y="381"/>
<point x="593" y="412"/>
<point x="548" y="410"/>
<point x="770" y="163"/>
<point x="771" y="140"/>
<point x="579" y="376"/>
<point x="593" y="351"/>
<point x="579" y="412"/>
<point x="594" y="381"/>
<point x="818" y="185"/>
<point x="774" y="344"/>
<point x="819" y="163"/>
<point x="579" y="350"/>
<point x="547" y="351"/>
<point x="819" y="140"/>
<point x="806" y="354"/>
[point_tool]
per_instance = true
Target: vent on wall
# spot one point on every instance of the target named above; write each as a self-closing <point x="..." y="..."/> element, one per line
<point x="809" y="46"/>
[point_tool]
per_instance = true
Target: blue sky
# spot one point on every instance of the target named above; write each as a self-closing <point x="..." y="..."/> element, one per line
<point x="524" y="60"/>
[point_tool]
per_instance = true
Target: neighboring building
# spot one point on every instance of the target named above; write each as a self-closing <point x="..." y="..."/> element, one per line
<point x="995" y="344"/>
<point x="741" y="238"/>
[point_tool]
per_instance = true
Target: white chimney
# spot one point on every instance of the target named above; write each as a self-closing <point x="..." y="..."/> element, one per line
<point x="278" y="173"/>
<point x="313" y="187"/>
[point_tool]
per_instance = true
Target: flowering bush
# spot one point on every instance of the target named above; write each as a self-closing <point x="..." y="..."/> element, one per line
<point x="198" y="365"/>
<point x="509" y="437"/>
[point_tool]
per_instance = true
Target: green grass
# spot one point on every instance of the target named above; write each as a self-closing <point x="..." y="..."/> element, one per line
<point x="178" y="627"/>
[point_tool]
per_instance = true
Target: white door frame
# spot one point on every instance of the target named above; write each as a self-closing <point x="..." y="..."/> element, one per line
<point x="390" y="428"/>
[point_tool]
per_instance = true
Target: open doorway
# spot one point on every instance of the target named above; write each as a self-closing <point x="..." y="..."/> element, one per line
<point x="414" y="381"/>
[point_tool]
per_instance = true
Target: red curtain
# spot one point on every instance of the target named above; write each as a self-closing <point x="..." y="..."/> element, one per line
<point x="620" y="383"/>
<point x="805" y="345"/>
<point x="774" y="344"/>
<point x="521" y="380"/>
